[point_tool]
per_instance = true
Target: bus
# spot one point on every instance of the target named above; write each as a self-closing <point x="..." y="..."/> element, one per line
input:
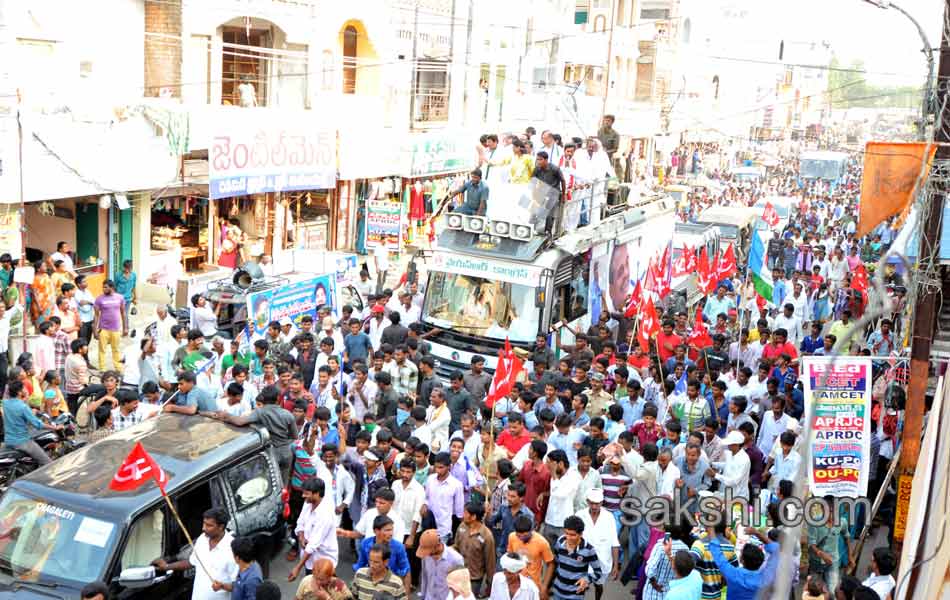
<point x="492" y="279"/>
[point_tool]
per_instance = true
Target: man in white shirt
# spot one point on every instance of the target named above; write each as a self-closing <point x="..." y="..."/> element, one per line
<point x="774" y="422"/>
<point x="316" y="527"/>
<point x="164" y="325"/>
<point x="376" y="324"/>
<point x="565" y="482"/>
<point x="385" y="500"/>
<point x="743" y="386"/>
<point x="336" y="478"/>
<point x="469" y="437"/>
<point x="669" y="472"/>
<point x="62" y="253"/>
<point x="408" y="311"/>
<point x="735" y="469"/>
<point x="790" y="322"/>
<point x="600" y="530"/>
<point x="410" y="496"/>
<point x="381" y="258"/>
<point x="211" y="558"/>
<point x="438" y="419"/>
<point x="881" y="579"/>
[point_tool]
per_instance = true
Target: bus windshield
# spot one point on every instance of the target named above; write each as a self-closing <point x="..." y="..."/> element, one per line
<point x="482" y="307"/>
<point x="41" y="541"/>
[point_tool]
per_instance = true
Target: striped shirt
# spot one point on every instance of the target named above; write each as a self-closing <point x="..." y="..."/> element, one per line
<point x="712" y="577"/>
<point x="612" y="482"/>
<point x="660" y="569"/>
<point x="364" y="588"/>
<point x="572" y="565"/>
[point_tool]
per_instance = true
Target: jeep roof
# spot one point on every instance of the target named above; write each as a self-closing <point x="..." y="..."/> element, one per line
<point x="184" y="446"/>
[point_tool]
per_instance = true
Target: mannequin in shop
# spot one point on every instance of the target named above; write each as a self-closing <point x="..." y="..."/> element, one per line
<point x="417" y="208"/>
<point x="232" y="244"/>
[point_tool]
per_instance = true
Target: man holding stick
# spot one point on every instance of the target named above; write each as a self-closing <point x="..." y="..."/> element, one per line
<point x="212" y="556"/>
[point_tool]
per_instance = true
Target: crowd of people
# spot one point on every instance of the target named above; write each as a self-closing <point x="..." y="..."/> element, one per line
<point x="428" y="488"/>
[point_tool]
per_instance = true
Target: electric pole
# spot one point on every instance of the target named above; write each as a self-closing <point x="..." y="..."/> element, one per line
<point x="925" y="307"/>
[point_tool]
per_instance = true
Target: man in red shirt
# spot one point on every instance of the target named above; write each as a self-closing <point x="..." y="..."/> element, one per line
<point x="779" y="346"/>
<point x="537" y="481"/>
<point x="514" y="437"/>
<point x="667" y="341"/>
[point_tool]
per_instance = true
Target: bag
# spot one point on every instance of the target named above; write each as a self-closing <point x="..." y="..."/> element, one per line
<point x="82" y="415"/>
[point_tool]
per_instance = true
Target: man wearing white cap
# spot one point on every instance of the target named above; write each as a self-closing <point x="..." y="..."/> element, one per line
<point x="510" y="584"/>
<point x="735" y="469"/>
<point x="600" y="529"/>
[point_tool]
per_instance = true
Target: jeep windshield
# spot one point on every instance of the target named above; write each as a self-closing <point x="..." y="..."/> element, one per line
<point x="43" y="542"/>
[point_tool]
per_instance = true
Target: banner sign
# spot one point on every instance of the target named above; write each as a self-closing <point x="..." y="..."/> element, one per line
<point x="383" y="224"/>
<point x="890" y="176"/>
<point x="11" y="240"/>
<point x="256" y="151"/>
<point x="838" y="407"/>
<point x="294" y="301"/>
<point x="442" y="152"/>
<point x="492" y="270"/>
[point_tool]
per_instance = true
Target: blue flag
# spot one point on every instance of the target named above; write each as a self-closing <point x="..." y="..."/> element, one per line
<point x="681" y="384"/>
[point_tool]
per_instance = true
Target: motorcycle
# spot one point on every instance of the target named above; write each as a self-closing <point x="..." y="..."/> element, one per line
<point x="56" y="443"/>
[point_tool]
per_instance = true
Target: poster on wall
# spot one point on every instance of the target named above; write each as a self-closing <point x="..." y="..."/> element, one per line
<point x="838" y="406"/>
<point x="255" y="151"/>
<point x="294" y="301"/>
<point x="383" y="224"/>
<point x="11" y="239"/>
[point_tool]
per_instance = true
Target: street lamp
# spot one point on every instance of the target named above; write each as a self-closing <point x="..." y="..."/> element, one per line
<point x="927" y="106"/>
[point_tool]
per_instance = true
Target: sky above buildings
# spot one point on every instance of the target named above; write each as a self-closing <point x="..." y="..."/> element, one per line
<point x="885" y="40"/>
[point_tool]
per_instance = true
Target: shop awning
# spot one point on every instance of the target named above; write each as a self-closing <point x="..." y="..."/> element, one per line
<point x="64" y="157"/>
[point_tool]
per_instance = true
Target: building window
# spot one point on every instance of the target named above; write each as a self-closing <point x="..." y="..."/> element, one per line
<point x="655" y="13"/>
<point x="600" y="23"/>
<point x="645" y="69"/>
<point x="244" y="69"/>
<point x="350" y="46"/>
<point x="431" y="91"/>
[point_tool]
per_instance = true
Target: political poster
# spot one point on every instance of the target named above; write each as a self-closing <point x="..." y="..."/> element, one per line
<point x="383" y="224"/>
<point x="293" y="300"/>
<point x="838" y="408"/>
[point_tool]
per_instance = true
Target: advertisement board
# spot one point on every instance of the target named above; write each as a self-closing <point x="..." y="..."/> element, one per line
<point x="838" y="407"/>
<point x="383" y="224"/>
<point x="293" y="300"/>
<point x="255" y="151"/>
<point x="11" y="239"/>
<point x="442" y="152"/>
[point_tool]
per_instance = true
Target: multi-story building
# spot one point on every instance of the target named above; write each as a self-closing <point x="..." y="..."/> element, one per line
<point x="295" y="120"/>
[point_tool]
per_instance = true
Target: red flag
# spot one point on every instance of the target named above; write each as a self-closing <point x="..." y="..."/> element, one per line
<point x="664" y="274"/>
<point x="699" y="337"/>
<point x="705" y="280"/>
<point x="726" y="266"/>
<point x="649" y="324"/>
<point x="770" y="215"/>
<point x="636" y="299"/>
<point x="650" y="284"/>
<point x="506" y="373"/>
<point x="690" y="254"/>
<point x="137" y="468"/>
<point x="859" y="279"/>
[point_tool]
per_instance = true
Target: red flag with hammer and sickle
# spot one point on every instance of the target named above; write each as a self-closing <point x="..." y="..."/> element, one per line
<point x="138" y="468"/>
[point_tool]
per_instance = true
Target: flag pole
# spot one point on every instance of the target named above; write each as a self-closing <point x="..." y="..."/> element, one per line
<point x="187" y="535"/>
